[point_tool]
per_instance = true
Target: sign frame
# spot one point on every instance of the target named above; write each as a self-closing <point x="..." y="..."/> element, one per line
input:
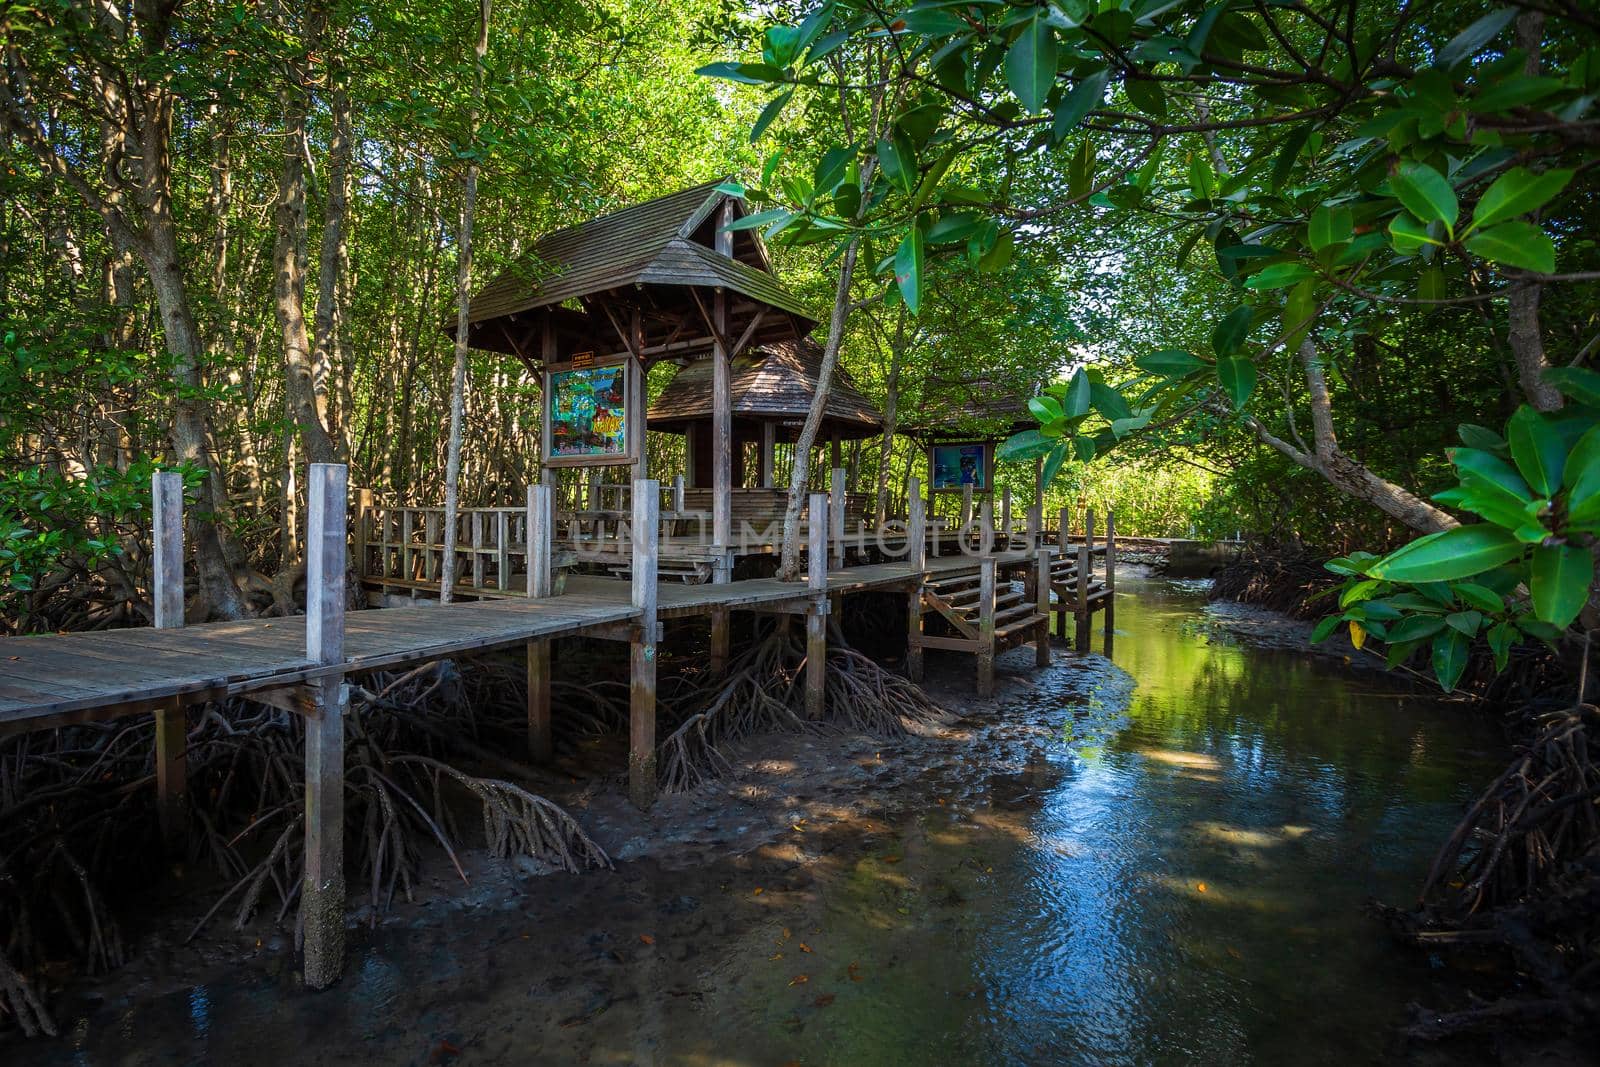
<point x="987" y="485"/>
<point x="631" y="410"/>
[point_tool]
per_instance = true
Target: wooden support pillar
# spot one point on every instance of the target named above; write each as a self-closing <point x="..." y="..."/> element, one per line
<point x="966" y="511"/>
<point x="986" y="527"/>
<point x="1005" y="517"/>
<point x="1035" y="522"/>
<point x="363" y="534"/>
<point x="1064" y="531"/>
<point x="769" y="442"/>
<point x="1041" y="592"/>
<point x="172" y="724"/>
<point x="541" y="583"/>
<point x="1111" y="576"/>
<point x="322" y="897"/>
<point x="817" y="614"/>
<point x="917" y="560"/>
<point x="642" y="650"/>
<point x="1085" y="563"/>
<point x="638" y="409"/>
<point x="1038" y="483"/>
<point x="835" y="452"/>
<point x="836" y="515"/>
<point x="986" y="577"/>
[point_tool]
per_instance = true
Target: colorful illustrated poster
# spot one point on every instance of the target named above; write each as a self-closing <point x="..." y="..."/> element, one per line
<point x="588" y="412"/>
<point x="957" y="465"/>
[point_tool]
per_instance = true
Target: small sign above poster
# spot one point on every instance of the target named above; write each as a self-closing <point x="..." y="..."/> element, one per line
<point x="580" y="360"/>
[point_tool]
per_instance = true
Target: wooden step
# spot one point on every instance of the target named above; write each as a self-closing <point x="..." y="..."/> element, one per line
<point x="1021" y="625"/>
<point x="1011" y="614"/>
<point x="969" y="599"/>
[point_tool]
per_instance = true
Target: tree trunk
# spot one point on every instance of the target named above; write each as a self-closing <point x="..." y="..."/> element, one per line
<point x="798" y="477"/>
<point x="891" y="415"/>
<point x="458" y="381"/>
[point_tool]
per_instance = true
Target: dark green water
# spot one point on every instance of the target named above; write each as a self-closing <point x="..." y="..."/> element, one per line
<point x="1161" y="861"/>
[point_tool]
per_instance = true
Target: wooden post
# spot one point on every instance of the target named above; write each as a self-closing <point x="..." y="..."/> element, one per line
<point x="677" y="494"/>
<point x="835" y="455"/>
<point x="1005" y="517"/>
<point x="836" y="516"/>
<point x="642" y="650"/>
<point x="1035" y="520"/>
<point x="1038" y="483"/>
<point x="1081" y="638"/>
<point x="769" y="442"/>
<point x="172" y="725"/>
<point x="541" y="583"/>
<point x="502" y="550"/>
<point x="817" y="613"/>
<point x="966" y="511"/>
<point x="322" y="897"/>
<point x="638" y="411"/>
<point x="986" y="575"/>
<point x="431" y="534"/>
<point x="1064" y="533"/>
<point x="475" y="541"/>
<point x="917" y="560"/>
<point x="986" y="527"/>
<point x="1041" y="592"/>
<point x="1111" y="574"/>
<point x="1088" y="528"/>
<point x="722" y="401"/>
<point x="407" y="573"/>
<point x="363" y="532"/>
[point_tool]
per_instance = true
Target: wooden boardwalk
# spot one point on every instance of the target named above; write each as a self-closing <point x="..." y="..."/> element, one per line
<point x="51" y="680"/>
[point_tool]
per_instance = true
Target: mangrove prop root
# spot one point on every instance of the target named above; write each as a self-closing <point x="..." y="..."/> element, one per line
<point x="764" y="689"/>
<point x="21" y="1003"/>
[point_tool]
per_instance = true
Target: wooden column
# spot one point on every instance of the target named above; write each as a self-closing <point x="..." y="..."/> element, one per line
<point x="322" y="897"/>
<point x="1035" y="522"/>
<point x="836" y="516"/>
<point x="541" y="583"/>
<point x="1005" y="517"/>
<point x="637" y="414"/>
<point x="722" y="399"/>
<point x="769" y="442"/>
<point x="1038" y="483"/>
<point x="835" y="453"/>
<point x="172" y="730"/>
<point x="1085" y="563"/>
<point x="1111" y="575"/>
<point x="642" y="650"/>
<point x="986" y="527"/>
<point x="1064" y="530"/>
<point x="966" y="511"/>
<point x="363" y="534"/>
<point x="986" y="576"/>
<point x="917" y="560"/>
<point x="1041" y="592"/>
<point x="817" y="613"/>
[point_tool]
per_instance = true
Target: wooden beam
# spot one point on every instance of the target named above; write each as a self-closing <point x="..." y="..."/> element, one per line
<point x="817" y="622"/>
<point x="749" y="331"/>
<point x="322" y="897"/>
<point x="769" y="441"/>
<point x="986" y="580"/>
<point x="1083" y="610"/>
<point x="917" y="560"/>
<point x="1111" y="577"/>
<point x="721" y="437"/>
<point x="1041" y="592"/>
<point x="642" y="652"/>
<point x="172" y="724"/>
<point x="836" y="516"/>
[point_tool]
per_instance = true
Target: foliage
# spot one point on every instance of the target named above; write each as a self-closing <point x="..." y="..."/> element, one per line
<point x="1523" y="572"/>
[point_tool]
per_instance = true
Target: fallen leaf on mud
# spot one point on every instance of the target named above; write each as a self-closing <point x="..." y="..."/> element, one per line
<point x="804" y="947"/>
<point x="854" y="971"/>
<point x="757" y="891"/>
<point x="800" y="979"/>
<point x="1235" y="953"/>
<point x="443" y="1052"/>
<point x="776" y="956"/>
<point x="1201" y="886"/>
<point x="786" y="935"/>
<point x="823" y="1001"/>
<point x="647" y="939"/>
<point x="893" y="859"/>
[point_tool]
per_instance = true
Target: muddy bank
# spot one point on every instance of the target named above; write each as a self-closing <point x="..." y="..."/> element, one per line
<point x="1082" y="870"/>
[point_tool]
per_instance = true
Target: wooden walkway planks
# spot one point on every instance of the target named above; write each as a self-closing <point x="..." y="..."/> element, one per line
<point x="69" y="677"/>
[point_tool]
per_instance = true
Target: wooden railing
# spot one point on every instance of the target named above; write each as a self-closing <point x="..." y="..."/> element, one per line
<point x="403" y="546"/>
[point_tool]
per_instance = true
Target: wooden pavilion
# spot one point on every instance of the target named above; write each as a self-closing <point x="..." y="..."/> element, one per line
<point x="961" y="423"/>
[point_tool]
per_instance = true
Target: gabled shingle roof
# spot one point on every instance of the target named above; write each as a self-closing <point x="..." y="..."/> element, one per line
<point x="652" y="243"/>
<point x="773" y="382"/>
<point x="976" y="407"/>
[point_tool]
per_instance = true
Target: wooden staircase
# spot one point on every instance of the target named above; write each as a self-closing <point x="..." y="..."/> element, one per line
<point x="984" y="613"/>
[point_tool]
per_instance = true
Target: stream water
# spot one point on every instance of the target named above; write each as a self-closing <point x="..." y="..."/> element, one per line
<point x="1161" y="858"/>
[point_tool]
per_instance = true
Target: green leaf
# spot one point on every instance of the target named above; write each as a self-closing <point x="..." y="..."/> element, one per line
<point x="1560" y="576"/>
<point x="1053" y="462"/>
<point x="1517" y="192"/>
<point x="1467" y="622"/>
<point x="1462" y="552"/>
<point x="1238" y="377"/>
<point x="1078" y="396"/>
<point x="1169" y="363"/>
<point x="1289" y="153"/>
<point x="832" y="168"/>
<point x="1147" y="96"/>
<point x="1449" y="658"/>
<point x="1425" y="193"/>
<point x="1479" y="596"/>
<point x="1109" y="402"/>
<point x="1583" y="460"/>
<point x="760" y="219"/>
<point x="908" y="268"/>
<point x="1481" y="437"/>
<point x="902" y="171"/>
<point x="934" y="22"/>
<point x="1471" y="40"/>
<point x="1045" y="408"/>
<point x="1330" y="225"/>
<point x="1278" y="276"/>
<point x="1084" y="98"/>
<point x="1408" y="235"/>
<point x="1501" y="637"/>
<point x="1229" y="334"/>
<point x="1325" y="628"/>
<point x="1299" y="311"/>
<point x="1576" y="383"/>
<point x="1416" y="628"/>
<point x="1083" y="448"/>
<point x="1031" y="64"/>
<point x="999" y="256"/>
<point x="1479" y="469"/>
<point x="769" y="113"/>
<point x="1538" y="449"/>
<point x="1028" y="444"/>
<point x="1515" y="244"/>
<point x="747" y="73"/>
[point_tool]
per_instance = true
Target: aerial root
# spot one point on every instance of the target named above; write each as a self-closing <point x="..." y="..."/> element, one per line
<point x="21" y="1003"/>
<point x="764" y="689"/>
